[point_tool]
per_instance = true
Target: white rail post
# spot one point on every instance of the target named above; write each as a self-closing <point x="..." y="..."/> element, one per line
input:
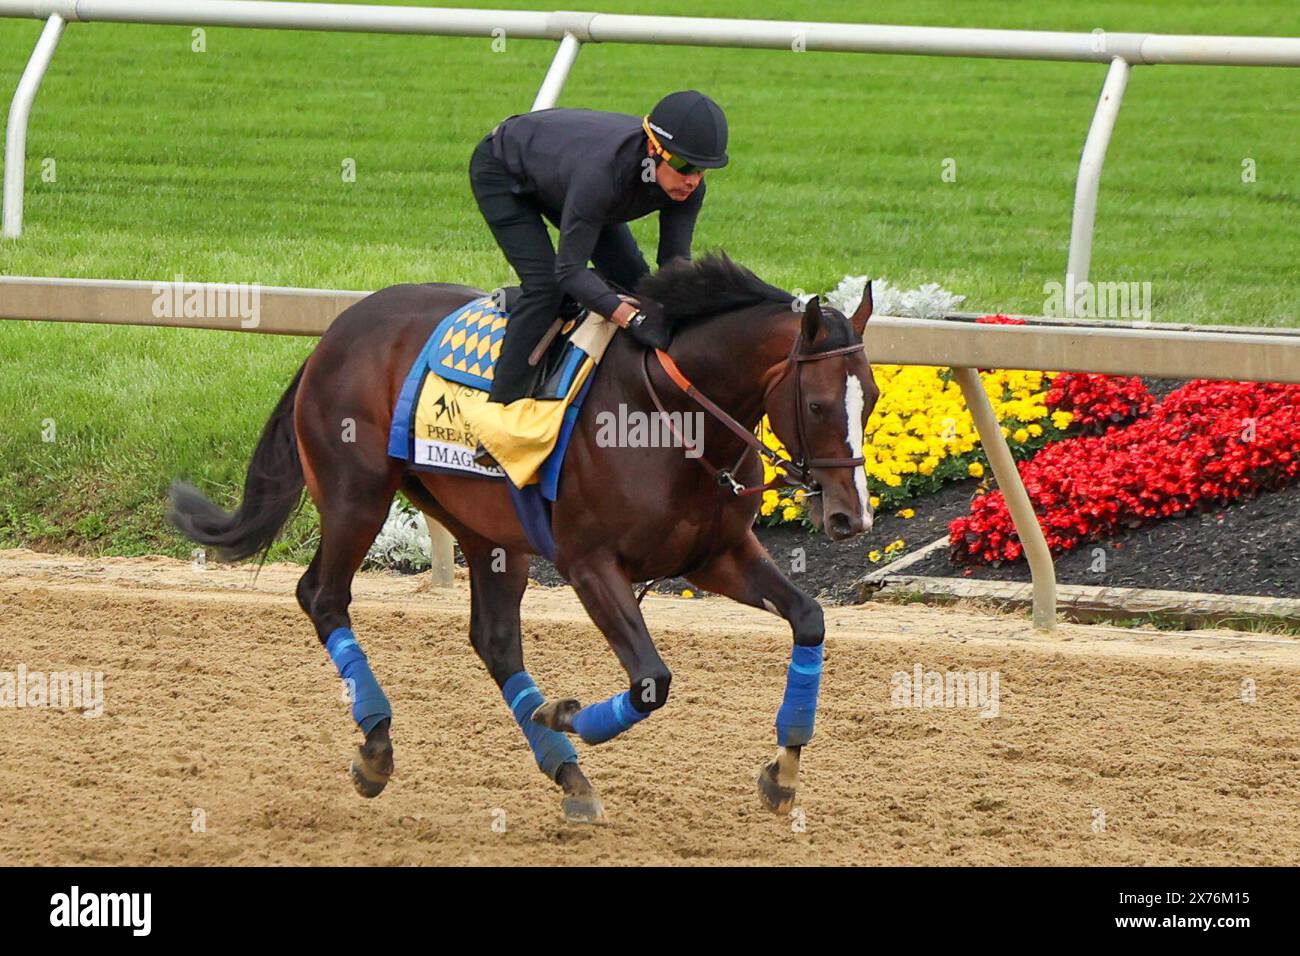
<point x="442" y="557"/>
<point x="16" y="130"/>
<point x="1089" y="181"/>
<point x="1041" y="568"/>
<point x="557" y="73"/>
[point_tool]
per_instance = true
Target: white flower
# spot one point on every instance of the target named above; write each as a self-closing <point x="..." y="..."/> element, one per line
<point x="930" y="301"/>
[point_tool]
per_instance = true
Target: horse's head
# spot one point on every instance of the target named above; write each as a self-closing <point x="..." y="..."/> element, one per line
<point x="818" y="409"/>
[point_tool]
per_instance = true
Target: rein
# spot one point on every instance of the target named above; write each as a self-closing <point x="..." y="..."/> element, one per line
<point x="797" y="473"/>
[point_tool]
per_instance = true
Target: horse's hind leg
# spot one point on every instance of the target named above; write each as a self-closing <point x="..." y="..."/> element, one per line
<point x="351" y="517"/>
<point x="497" y="582"/>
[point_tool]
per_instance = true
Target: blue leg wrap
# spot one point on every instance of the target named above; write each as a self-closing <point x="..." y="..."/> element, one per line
<point x="369" y="705"/>
<point x="551" y="748"/>
<point x="597" y="723"/>
<point x="794" y="721"/>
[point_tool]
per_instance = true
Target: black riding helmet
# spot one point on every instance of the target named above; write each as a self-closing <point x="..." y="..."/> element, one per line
<point x="691" y="128"/>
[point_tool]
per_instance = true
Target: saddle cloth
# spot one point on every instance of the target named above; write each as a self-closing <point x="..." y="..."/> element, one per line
<point x="442" y="412"/>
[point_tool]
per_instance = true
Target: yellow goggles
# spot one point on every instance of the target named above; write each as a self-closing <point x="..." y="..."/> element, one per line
<point x="685" y="167"/>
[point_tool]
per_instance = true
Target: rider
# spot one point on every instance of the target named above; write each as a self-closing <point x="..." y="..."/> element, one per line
<point x="589" y="173"/>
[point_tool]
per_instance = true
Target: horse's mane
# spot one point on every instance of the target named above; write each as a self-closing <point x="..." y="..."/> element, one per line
<point x="691" y="290"/>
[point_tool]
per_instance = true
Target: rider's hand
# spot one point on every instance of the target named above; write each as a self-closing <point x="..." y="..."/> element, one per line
<point x="652" y="331"/>
<point x="623" y="314"/>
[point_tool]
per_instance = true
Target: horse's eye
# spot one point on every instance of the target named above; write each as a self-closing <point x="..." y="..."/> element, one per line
<point x="815" y="407"/>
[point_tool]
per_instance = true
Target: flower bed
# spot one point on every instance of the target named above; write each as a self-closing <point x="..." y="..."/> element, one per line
<point x="1206" y="444"/>
<point x="920" y="434"/>
<point x="1099" y="402"/>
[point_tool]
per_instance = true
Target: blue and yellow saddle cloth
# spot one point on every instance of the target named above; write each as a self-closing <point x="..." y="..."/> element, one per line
<point x="442" y="412"/>
<point x="468" y="343"/>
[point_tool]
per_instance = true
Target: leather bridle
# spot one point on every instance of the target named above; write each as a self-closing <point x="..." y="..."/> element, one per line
<point x="790" y="471"/>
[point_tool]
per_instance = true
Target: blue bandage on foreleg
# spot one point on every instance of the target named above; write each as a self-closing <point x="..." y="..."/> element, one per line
<point x="369" y="705"/>
<point x="597" y="723"/>
<point x="794" y="721"/>
<point x="551" y="748"/>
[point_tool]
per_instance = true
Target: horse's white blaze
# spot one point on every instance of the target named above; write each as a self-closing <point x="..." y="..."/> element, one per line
<point x="854" y="404"/>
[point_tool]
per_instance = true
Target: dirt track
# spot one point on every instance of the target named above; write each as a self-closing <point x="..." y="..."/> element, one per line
<point x="217" y="697"/>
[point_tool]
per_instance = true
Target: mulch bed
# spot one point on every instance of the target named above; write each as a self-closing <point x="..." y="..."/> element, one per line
<point x="1247" y="547"/>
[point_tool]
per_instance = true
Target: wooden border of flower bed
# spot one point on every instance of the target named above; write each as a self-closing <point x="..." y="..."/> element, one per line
<point x="1088" y="603"/>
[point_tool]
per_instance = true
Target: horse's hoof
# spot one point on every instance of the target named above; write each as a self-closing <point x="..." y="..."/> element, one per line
<point x="586" y="808"/>
<point x="558" y="714"/>
<point x="369" y="783"/>
<point x="778" y="799"/>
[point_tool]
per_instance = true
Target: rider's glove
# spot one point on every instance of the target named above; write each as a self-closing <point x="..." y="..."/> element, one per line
<point x="649" y="331"/>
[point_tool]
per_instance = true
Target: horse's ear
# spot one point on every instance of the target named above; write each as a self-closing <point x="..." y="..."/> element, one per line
<point x="812" y="318"/>
<point x="865" y="307"/>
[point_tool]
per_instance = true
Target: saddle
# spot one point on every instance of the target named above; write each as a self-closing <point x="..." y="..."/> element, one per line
<point x="442" y="413"/>
<point x="469" y="343"/>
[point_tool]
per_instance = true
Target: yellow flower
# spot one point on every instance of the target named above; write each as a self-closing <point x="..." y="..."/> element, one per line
<point x="975" y="469"/>
<point x="790" y="514"/>
<point x="907" y="513"/>
<point x="895" y="546"/>
<point x="920" y="421"/>
<point x="873" y="557"/>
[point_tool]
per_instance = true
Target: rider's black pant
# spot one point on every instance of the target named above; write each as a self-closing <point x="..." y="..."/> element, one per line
<point x="518" y="227"/>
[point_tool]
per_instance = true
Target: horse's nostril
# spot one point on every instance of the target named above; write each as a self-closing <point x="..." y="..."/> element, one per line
<point x="839" y="525"/>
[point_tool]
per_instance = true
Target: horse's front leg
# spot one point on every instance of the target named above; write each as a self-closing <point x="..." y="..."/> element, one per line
<point x="606" y="593"/>
<point x="747" y="574"/>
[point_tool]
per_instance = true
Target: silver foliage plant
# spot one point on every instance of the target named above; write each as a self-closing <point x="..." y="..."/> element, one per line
<point x="403" y="542"/>
<point x="930" y="301"/>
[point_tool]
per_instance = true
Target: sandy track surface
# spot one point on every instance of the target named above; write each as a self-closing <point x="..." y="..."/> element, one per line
<point x="217" y="698"/>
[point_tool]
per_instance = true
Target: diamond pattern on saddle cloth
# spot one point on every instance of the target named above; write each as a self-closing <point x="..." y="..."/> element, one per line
<point x="469" y="343"/>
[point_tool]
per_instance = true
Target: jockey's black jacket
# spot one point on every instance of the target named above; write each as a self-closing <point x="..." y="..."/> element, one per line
<point x="589" y="169"/>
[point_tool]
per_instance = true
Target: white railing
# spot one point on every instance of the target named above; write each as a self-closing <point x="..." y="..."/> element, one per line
<point x="572" y="28"/>
<point x="1148" y="348"/>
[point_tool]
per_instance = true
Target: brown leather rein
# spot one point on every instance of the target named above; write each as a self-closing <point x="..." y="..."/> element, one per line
<point x="797" y="473"/>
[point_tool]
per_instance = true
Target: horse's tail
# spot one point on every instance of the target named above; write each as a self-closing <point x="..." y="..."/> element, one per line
<point x="272" y="490"/>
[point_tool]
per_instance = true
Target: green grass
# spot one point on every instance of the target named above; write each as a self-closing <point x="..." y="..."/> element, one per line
<point x="226" y="166"/>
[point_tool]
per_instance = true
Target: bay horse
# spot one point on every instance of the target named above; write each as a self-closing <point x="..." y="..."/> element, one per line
<point x="741" y="348"/>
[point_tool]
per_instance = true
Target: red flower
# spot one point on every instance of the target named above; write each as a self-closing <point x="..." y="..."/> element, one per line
<point x="1098" y="402"/>
<point x="1206" y="444"/>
